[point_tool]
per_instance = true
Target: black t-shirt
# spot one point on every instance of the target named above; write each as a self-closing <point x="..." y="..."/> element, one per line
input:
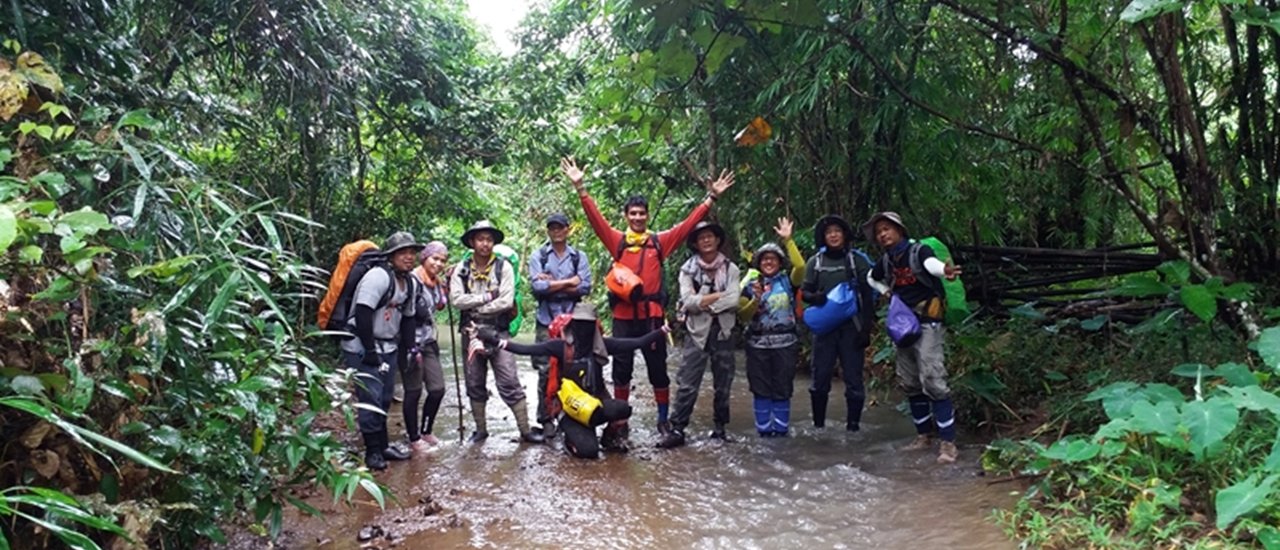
<point x="909" y="288"/>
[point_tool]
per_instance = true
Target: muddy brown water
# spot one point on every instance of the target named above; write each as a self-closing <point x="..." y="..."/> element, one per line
<point x="818" y="488"/>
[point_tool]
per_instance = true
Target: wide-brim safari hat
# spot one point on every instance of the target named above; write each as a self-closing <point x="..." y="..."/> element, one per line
<point x="582" y="311"/>
<point x="869" y="228"/>
<point x="820" y="228"/>
<point x="771" y="248"/>
<point x="482" y="225"/>
<point x="401" y="240"/>
<point x="692" y="239"/>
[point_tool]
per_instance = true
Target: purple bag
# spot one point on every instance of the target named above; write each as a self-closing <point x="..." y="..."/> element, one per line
<point x="903" y="325"/>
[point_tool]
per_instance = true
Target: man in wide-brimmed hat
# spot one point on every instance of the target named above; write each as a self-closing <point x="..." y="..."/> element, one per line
<point x="709" y="302"/>
<point x="483" y="289"/>
<point x="643" y="251"/>
<point x="382" y="322"/>
<point x="837" y="262"/>
<point x="560" y="277"/>
<point x="913" y="273"/>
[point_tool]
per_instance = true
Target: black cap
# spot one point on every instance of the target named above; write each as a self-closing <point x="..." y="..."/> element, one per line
<point x="558" y="218"/>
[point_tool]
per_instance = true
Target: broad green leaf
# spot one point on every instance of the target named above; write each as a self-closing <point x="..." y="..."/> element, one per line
<point x="127" y="451"/>
<point x="8" y="227"/>
<point x="1157" y="393"/>
<point x="5" y="156"/>
<point x="1199" y="301"/>
<point x="1254" y="398"/>
<point x="1094" y="323"/>
<point x="1072" y="450"/>
<point x="86" y="221"/>
<point x="1193" y="370"/>
<point x="140" y="118"/>
<point x="1269" y="347"/>
<point x="62" y="288"/>
<point x="1237" y="292"/>
<point x="139" y="163"/>
<point x="1237" y="374"/>
<point x="1161" y="418"/>
<point x="1269" y="536"/>
<point x="1141" y="10"/>
<point x="1273" y="460"/>
<point x="1117" y="398"/>
<point x="1241" y="498"/>
<point x="1178" y="272"/>
<point x="1208" y="422"/>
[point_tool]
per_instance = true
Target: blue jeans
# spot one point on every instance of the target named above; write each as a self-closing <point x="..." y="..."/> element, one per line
<point x="373" y="388"/>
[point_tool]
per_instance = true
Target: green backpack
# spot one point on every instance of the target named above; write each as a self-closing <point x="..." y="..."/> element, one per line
<point x="509" y="254"/>
<point x="952" y="290"/>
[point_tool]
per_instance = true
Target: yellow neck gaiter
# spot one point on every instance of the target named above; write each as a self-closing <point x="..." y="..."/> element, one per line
<point x="636" y="240"/>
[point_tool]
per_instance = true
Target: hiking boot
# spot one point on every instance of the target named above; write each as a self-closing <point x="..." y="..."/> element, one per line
<point x="532" y="437"/>
<point x="374" y="461"/>
<point x="718" y="432"/>
<point x="374" y="444"/>
<point x="664" y="427"/>
<point x="947" y="453"/>
<point x="920" y="443"/>
<point x="548" y="430"/>
<point x="478" y="436"/>
<point x="673" y="439"/>
<point x="852" y="427"/>
<point x="397" y="394"/>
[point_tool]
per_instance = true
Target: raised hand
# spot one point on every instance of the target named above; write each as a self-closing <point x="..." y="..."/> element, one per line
<point x="571" y="170"/>
<point x="783" y="229"/>
<point x="723" y="183"/>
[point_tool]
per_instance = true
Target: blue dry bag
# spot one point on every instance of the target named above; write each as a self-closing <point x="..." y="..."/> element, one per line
<point x="842" y="305"/>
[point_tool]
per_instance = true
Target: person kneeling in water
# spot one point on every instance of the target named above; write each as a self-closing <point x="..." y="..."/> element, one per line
<point x="579" y="354"/>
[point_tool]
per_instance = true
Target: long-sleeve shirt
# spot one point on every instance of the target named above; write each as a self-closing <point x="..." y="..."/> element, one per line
<point x="477" y="297"/>
<point x="694" y="284"/>
<point x="646" y="262"/>
<point x="556" y="347"/>
<point x="573" y="262"/>
<point x="778" y="303"/>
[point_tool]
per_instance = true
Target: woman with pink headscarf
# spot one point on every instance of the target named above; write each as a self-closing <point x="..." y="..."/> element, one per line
<point x="423" y="367"/>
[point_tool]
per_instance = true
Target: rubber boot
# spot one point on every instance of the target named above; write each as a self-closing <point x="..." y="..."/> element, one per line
<point x="482" y="424"/>
<point x="373" y="445"/>
<point x="819" y="410"/>
<point x="521" y="413"/>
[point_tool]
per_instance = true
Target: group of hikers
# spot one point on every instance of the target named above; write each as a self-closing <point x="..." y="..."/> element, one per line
<point x="390" y="319"/>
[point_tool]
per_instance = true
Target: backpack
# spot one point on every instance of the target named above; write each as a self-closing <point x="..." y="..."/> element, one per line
<point x="506" y="253"/>
<point x="544" y="254"/>
<point x="354" y="261"/>
<point x="950" y="290"/>
<point x="619" y="272"/>
<point x="794" y="290"/>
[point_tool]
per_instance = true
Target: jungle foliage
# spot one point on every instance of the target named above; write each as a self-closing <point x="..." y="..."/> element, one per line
<point x="174" y="177"/>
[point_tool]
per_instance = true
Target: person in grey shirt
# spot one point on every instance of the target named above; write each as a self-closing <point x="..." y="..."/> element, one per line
<point x="382" y="322"/>
<point x="560" y="277"/>
<point x="709" y="300"/>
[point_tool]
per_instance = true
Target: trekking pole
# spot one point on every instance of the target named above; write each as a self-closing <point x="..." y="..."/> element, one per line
<point x="457" y="379"/>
